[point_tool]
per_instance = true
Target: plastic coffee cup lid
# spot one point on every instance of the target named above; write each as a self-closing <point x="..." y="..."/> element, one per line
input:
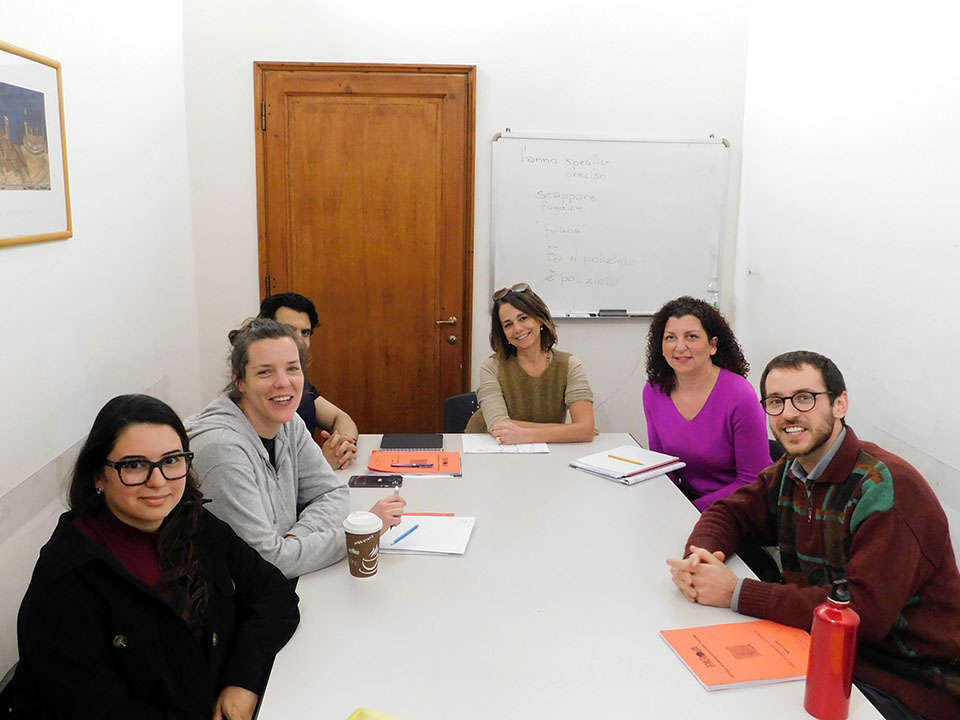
<point x="361" y="523"/>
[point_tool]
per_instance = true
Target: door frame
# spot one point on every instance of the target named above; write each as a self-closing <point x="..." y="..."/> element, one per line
<point x="261" y="122"/>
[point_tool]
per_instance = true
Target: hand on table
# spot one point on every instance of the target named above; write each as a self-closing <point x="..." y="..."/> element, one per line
<point x="338" y="450"/>
<point x="390" y="510"/>
<point x="235" y="703"/>
<point x="703" y="577"/>
<point x="508" y="432"/>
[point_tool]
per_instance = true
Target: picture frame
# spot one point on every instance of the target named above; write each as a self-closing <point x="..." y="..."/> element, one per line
<point x="34" y="185"/>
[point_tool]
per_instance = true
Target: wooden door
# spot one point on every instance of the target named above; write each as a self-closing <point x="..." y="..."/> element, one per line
<point x="365" y="203"/>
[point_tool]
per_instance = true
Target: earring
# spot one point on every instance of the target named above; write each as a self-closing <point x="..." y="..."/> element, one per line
<point x="99" y="491"/>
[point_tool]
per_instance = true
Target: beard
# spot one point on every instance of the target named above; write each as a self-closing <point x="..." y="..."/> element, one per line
<point x="817" y="435"/>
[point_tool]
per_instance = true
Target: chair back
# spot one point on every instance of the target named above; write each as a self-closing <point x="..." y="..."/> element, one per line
<point x="457" y="410"/>
<point x="776" y="450"/>
<point x="6" y="694"/>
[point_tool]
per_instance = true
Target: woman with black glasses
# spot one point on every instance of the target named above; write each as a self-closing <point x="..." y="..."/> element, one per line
<point x="142" y="604"/>
<point x="527" y="387"/>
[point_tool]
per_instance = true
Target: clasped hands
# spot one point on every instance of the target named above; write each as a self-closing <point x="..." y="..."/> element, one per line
<point x="703" y="577"/>
<point x="337" y="449"/>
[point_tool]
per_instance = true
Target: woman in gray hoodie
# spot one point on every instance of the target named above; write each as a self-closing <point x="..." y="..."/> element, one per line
<point x="258" y="464"/>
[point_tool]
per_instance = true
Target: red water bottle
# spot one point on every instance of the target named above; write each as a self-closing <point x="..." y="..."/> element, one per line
<point x="833" y="650"/>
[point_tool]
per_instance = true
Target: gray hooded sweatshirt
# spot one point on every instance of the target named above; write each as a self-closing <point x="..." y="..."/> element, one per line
<point x="301" y="497"/>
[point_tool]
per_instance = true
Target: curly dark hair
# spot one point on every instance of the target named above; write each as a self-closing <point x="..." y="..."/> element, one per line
<point x="526" y="301"/>
<point x="728" y="356"/>
<point x="183" y="576"/>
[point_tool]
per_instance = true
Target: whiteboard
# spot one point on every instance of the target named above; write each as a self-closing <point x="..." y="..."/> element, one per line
<point x="600" y="225"/>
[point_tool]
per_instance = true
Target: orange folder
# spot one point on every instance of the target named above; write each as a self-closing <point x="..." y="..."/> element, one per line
<point x="758" y="652"/>
<point x="404" y="462"/>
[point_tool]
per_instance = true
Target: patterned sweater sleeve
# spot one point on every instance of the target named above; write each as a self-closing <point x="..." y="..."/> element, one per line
<point x="885" y="569"/>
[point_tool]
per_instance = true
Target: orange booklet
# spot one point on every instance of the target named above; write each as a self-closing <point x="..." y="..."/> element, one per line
<point x="416" y="462"/>
<point x="758" y="652"/>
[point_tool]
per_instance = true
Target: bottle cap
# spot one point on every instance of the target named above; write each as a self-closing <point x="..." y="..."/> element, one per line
<point x="840" y="591"/>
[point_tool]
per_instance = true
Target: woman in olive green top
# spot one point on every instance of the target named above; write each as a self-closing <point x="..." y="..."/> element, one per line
<point x="526" y="387"/>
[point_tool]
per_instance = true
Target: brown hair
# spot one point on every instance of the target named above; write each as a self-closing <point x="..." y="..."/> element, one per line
<point x="529" y="302"/>
<point x="253" y="330"/>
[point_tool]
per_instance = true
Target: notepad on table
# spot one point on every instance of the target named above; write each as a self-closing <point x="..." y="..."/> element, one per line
<point x="416" y="462"/>
<point x="411" y="441"/>
<point x="368" y="714"/>
<point x="628" y="464"/>
<point x="486" y="443"/>
<point x="435" y="535"/>
<point x="756" y="652"/>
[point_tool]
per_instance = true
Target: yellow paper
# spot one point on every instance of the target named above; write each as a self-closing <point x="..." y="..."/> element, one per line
<point x="368" y="714"/>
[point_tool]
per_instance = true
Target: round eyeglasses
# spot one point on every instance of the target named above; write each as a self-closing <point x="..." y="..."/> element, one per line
<point x="518" y="288"/>
<point x="136" y="471"/>
<point x="802" y="401"/>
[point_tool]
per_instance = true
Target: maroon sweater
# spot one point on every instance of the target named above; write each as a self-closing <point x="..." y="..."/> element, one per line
<point x="873" y="519"/>
<point x="136" y="549"/>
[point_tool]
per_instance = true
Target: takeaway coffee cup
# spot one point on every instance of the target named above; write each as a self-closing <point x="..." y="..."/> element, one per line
<point x="363" y="543"/>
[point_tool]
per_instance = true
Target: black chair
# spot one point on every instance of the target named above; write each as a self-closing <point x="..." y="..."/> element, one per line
<point x="776" y="450"/>
<point x="6" y="694"/>
<point x="457" y="410"/>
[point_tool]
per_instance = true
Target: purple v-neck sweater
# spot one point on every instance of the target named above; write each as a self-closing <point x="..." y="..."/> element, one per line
<point x="725" y="446"/>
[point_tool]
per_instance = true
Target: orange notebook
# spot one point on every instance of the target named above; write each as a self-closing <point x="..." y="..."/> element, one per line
<point x="416" y="462"/>
<point x="758" y="652"/>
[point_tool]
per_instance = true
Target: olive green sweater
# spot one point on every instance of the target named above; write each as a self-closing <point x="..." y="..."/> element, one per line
<point x="507" y="392"/>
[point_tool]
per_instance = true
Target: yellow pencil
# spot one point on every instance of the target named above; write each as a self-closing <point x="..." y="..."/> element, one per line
<point x="617" y="457"/>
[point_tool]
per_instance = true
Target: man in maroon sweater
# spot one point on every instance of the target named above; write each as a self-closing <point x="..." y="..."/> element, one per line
<point x="838" y="507"/>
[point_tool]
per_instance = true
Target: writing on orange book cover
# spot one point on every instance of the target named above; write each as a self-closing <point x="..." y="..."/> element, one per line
<point x="415" y="462"/>
<point x="757" y="652"/>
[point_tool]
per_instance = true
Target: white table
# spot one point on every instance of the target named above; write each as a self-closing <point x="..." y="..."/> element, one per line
<point x="552" y="613"/>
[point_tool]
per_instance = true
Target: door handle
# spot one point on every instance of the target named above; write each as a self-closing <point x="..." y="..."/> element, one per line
<point x="451" y="321"/>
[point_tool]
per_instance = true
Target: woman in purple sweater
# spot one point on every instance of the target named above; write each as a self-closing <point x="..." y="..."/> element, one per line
<point x="698" y="403"/>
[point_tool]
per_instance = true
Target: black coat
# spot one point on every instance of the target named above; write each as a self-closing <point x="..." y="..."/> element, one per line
<point x="97" y="642"/>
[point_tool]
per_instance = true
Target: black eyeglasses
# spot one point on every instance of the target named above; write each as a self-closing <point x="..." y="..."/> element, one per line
<point x="137" y="471"/>
<point x="518" y="288"/>
<point x="802" y="401"/>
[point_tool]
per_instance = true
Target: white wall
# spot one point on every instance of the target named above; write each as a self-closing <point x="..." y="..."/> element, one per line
<point x="850" y="219"/>
<point x="618" y="68"/>
<point x="112" y="310"/>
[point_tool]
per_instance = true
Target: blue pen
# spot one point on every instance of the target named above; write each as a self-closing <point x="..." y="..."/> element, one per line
<point x="405" y="534"/>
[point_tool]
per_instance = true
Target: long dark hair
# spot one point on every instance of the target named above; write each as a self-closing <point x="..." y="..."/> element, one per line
<point x="728" y="356"/>
<point x="179" y="559"/>
<point x="529" y="302"/>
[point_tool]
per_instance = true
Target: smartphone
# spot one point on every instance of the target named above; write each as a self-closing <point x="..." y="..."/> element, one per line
<point x="375" y="481"/>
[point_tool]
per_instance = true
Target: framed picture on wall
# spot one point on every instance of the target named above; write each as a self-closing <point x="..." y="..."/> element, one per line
<point x="34" y="191"/>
